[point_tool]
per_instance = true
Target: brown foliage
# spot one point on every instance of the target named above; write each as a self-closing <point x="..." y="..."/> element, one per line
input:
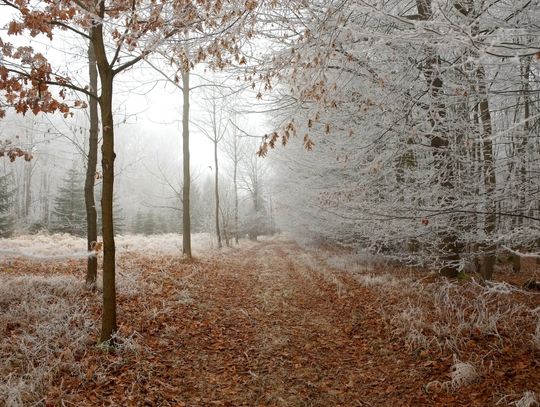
<point x="273" y="325"/>
<point x="7" y="149"/>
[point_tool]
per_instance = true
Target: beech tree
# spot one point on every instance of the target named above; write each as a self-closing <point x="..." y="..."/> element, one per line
<point x="186" y="185"/>
<point x="91" y="166"/>
<point x="215" y="128"/>
<point x="122" y="34"/>
<point x="235" y="152"/>
<point x="409" y="112"/>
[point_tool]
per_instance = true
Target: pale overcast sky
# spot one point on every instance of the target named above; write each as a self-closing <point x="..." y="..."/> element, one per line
<point x="149" y="108"/>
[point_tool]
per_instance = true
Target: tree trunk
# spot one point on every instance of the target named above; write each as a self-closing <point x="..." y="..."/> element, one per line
<point x="225" y="228"/>
<point x="106" y="74"/>
<point x="109" y="250"/>
<point x="216" y="192"/>
<point x="271" y="214"/>
<point x="91" y="213"/>
<point x="235" y="182"/>
<point x="28" y="190"/>
<point x="449" y="246"/>
<point x="405" y="163"/>
<point x="186" y="218"/>
<point x="254" y="229"/>
<point x="489" y="176"/>
<point x="45" y="194"/>
<point x="526" y="86"/>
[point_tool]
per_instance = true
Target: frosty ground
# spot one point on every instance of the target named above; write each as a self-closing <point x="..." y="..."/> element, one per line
<point x="263" y="323"/>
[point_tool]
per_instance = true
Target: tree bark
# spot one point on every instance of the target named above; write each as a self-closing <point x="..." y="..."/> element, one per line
<point x="109" y="249"/>
<point x="450" y="251"/>
<point x="106" y="75"/>
<point x="235" y="182"/>
<point x="490" y="219"/>
<point x="216" y="190"/>
<point x="28" y="190"/>
<point x="91" y="213"/>
<point x="523" y="154"/>
<point x="488" y="167"/>
<point x="254" y="227"/>
<point x="186" y="218"/>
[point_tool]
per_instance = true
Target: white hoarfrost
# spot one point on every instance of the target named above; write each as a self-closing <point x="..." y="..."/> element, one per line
<point x="43" y="247"/>
<point x="529" y="399"/>
<point x="461" y="374"/>
<point x="43" y="321"/>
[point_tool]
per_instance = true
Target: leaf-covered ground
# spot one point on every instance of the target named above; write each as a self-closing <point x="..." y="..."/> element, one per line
<point x="273" y="325"/>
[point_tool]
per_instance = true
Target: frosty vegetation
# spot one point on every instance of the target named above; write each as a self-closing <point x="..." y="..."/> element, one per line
<point x="44" y="320"/>
<point x="424" y="120"/>
<point x="385" y="149"/>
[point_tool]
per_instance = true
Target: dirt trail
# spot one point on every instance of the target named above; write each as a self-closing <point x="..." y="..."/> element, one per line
<point x="254" y="327"/>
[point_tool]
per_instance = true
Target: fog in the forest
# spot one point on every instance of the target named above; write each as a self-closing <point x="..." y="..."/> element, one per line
<point x="426" y="153"/>
<point x="292" y="203"/>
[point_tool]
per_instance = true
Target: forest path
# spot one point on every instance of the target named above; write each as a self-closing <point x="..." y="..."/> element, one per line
<point x="254" y="326"/>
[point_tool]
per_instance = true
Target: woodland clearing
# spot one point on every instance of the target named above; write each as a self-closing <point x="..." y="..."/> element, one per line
<point x="267" y="323"/>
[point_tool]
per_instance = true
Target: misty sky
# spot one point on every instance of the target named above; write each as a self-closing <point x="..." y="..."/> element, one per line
<point x="145" y="105"/>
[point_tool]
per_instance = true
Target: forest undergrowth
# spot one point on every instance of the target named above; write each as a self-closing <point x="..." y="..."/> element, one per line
<point x="268" y="323"/>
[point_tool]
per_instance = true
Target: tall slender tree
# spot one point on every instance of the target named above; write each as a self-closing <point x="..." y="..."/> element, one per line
<point x="6" y="218"/>
<point x="91" y="166"/>
<point x="215" y="129"/>
<point x="186" y="186"/>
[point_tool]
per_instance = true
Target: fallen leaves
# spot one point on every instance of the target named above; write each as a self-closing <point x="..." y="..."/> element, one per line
<point x="263" y="328"/>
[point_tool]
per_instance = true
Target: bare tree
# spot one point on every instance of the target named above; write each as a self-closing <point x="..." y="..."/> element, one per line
<point x="215" y="128"/>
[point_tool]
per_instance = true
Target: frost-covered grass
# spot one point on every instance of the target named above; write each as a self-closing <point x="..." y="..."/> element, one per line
<point x="440" y="314"/>
<point x="42" y="247"/>
<point x="528" y="399"/>
<point x="43" y="324"/>
<point x="169" y="244"/>
<point x="461" y="374"/>
<point x="58" y="246"/>
<point x="355" y="262"/>
<point x="410" y="325"/>
<point x="444" y="316"/>
<point x="431" y="315"/>
<point x="536" y="335"/>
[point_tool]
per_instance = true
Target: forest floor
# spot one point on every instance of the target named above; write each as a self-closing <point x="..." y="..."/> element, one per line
<point x="268" y="324"/>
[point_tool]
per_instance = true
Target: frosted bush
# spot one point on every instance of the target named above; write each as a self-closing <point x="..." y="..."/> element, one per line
<point x="380" y="280"/>
<point x="409" y="324"/>
<point x="461" y="374"/>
